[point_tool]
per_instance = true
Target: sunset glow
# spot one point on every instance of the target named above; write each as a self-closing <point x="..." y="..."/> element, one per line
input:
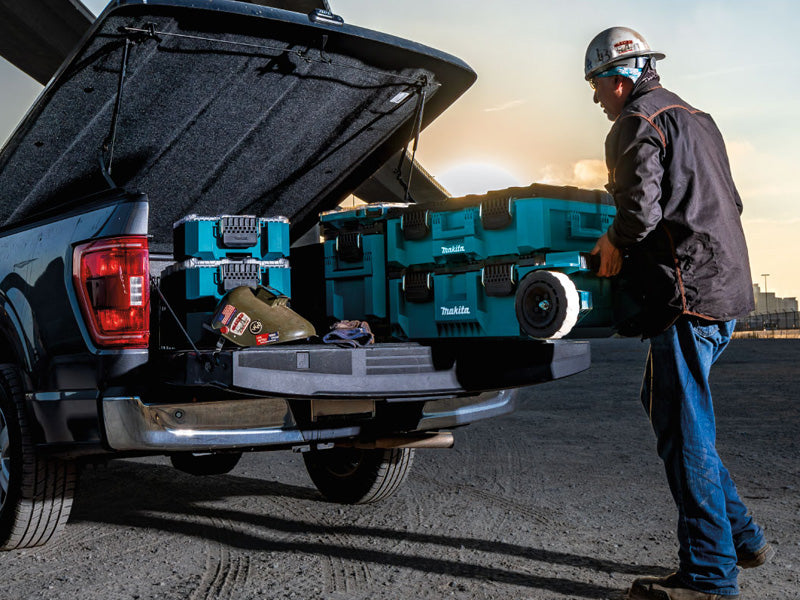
<point x="530" y="116"/>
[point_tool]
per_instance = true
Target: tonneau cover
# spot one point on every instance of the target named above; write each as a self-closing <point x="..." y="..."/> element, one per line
<point x="225" y="107"/>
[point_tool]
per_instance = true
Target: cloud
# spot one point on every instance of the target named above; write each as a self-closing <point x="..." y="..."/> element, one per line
<point x="505" y="106"/>
<point x="587" y="173"/>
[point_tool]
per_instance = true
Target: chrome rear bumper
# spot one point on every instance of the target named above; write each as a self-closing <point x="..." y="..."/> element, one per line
<point x="131" y="425"/>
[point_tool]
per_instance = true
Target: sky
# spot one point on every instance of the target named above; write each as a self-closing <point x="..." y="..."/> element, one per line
<point x="530" y="117"/>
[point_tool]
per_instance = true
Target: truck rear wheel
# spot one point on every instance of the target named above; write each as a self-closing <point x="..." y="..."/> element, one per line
<point x="356" y="476"/>
<point x="35" y="491"/>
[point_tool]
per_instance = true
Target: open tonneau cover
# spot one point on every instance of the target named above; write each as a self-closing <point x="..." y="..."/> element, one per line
<point x="221" y="107"/>
<point x="393" y="371"/>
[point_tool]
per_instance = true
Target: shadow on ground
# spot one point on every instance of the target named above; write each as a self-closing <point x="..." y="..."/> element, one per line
<point x="169" y="501"/>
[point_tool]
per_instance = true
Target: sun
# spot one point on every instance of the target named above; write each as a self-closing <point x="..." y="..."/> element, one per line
<point x="476" y="178"/>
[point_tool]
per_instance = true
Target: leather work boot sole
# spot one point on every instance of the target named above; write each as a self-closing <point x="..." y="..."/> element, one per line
<point x="751" y="560"/>
<point x="669" y="588"/>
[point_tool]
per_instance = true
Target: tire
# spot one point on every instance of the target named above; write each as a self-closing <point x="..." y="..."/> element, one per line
<point x="547" y="304"/>
<point x="35" y="491"/>
<point x="205" y="464"/>
<point x="355" y="476"/>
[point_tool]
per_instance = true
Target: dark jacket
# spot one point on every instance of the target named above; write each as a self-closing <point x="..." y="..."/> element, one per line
<point x="678" y="211"/>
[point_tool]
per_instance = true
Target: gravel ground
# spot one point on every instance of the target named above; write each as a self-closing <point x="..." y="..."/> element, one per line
<point x="565" y="498"/>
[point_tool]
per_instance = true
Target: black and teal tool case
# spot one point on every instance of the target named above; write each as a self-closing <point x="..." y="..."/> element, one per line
<point x="215" y="255"/>
<point x="512" y="222"/>
<point x="507" y="264"/>
<point x="542" y="296"/>
<point x="196" y="279"/>
<point x="231" y="236"/>
<point x="193" y="288"/>
<point x="355" y="262"/>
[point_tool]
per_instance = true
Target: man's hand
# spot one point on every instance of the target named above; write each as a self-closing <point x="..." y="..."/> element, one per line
<point x="610" y="257"/>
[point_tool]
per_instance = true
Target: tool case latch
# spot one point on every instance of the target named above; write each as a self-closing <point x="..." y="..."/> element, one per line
<point x="415" y="224"/>
<point x="349" y="246"/>
<point x="239" y="232"/>
<point x="418" y="286"/>
<point x="238" y="273"/>
<point x="495" y="213"/>
<point x="498" y="280"/>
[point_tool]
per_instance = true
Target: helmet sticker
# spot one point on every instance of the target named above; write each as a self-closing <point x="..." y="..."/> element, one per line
<point x="267" y="338"/>
<point x="240" y="323"/>
<point x="625" y="46"/>
<point x="227" y="313"/>
<point x="256" y="327"/>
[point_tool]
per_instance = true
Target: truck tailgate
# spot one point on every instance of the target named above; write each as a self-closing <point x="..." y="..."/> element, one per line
<point x="393" y="371"/>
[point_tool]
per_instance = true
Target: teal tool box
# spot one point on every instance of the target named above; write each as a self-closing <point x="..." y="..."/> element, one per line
<point x="369" y="218"/>
<point x="513" y="222"/>
<point x="193" y="288"/>
<point x="231" y="236"/>
<point x="507" y="264"/>
<point x="542" y="296"/>
<point x="355" y="262"/>
<point x="355" y="277"/>
<point x="198" y="279"/>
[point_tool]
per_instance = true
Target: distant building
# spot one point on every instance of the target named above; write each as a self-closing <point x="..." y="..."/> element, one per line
<point x="768" y="303"/>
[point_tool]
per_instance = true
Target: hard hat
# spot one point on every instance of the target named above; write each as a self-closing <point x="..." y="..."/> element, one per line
<point x="258" y="318"/>
<point x="617" y="46"/>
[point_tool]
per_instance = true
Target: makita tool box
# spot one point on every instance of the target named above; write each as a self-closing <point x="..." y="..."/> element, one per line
<point x="214" y="256"/>
<point x="193" y="288"/>
<point x="195" y="279"/>
<point x="512" y="222"/>
<point x="508" y="264"/>
<point x="511" y="263"/>
<point x="226" y="236"/>
<point x="355" y="262"/>
<point x="541" y="296"/>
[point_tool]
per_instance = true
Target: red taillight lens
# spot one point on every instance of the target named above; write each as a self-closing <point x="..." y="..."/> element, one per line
<point x="112" y="279"/>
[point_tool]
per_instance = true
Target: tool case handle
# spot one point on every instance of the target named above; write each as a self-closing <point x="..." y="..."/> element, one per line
<point x="498" y="280"/>
<point x="495" y="213"/>
<point x="578" y="231"/>
<point x="349" y="246"/>
<point x="415" y="224"/>
<point x="417" y="286"/>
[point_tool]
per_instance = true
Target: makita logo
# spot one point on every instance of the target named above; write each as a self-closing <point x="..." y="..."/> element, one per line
<point x="453" y="249"/>
<point x="448" y="311"/>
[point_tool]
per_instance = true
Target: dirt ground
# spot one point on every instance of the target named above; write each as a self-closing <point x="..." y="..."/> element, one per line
<point x="565" y="498"/>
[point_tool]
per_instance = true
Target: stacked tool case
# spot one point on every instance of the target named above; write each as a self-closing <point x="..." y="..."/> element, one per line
<point x="355" y="263"/>
<point x="215" y="255"/>
<point x="507" y="264"/>
<point x="214" y="238"/>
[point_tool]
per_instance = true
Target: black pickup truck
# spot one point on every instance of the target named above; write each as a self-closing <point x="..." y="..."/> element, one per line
<point x="171" y="107"/>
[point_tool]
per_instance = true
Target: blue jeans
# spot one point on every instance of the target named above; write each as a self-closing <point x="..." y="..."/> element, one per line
<point x="713" y="522"/>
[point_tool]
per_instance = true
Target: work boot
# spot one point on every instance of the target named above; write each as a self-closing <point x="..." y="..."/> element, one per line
<point x="669" y="588"/>
<point x="751" y="560"/>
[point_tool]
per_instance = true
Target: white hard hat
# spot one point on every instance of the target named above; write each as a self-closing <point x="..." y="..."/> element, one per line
<point x="617" y="46"/>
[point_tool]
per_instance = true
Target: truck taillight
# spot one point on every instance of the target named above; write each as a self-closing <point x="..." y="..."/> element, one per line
<point x="112" y="282"/>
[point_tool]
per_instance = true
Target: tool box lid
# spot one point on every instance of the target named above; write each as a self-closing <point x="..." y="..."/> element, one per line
<point x="194" y="218"/>
<point x="222" y="107"/>
<point x="535" y="190"/>
<point x="196" y="263"/>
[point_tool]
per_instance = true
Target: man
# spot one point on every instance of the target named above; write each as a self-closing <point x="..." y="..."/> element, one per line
<point x="678" y="235"/>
